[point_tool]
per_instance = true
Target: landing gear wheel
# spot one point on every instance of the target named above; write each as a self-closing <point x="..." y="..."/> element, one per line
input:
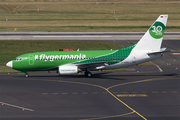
<point x="88" y="74"/>
<point x="26" y="75"/>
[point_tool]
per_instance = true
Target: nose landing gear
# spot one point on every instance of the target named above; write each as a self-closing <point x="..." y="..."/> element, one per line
<point x="26" y="75"/>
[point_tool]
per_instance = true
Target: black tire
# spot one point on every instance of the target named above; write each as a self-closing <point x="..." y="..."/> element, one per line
<point x="26" y="75"/>
<point x="88" y="74"/>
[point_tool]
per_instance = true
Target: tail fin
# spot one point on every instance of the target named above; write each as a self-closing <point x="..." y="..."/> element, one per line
<point x="152" y="39"/>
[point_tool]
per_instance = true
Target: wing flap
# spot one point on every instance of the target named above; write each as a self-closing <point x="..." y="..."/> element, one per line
<point x="95" y="64"/>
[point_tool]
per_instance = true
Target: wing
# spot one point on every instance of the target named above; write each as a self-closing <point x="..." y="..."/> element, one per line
<point x="94" y="65"/>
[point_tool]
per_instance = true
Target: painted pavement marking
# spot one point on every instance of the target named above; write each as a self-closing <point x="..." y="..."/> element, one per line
<point x="132" y="95"/>
<point x="76" y="93"/>
<point x="107" y="89"/>
<point x="23" y="108"/>
<point x="76" y="36"/>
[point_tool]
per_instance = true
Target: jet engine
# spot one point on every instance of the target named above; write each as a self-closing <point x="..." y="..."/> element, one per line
<point x="63" y="70"/>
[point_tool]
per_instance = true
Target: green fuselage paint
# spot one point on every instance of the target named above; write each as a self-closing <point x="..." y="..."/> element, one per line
<point x="52" y="60"/>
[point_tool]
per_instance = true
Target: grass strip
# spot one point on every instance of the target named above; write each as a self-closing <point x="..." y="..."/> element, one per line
<point x="4" y="69"/>
<point x="86" y="15"/>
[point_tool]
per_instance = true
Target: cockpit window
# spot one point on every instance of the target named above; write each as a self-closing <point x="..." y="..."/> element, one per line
<point x="18" y="59"/>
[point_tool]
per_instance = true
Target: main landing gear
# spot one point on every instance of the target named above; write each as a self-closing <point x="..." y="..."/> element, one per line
<point x="88" y="74"/>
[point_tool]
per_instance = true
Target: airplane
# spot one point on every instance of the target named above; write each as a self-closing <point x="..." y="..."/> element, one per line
<point x="72" y="62"/>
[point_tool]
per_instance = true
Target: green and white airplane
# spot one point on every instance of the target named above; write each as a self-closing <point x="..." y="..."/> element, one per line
<point x="71" y="62"/>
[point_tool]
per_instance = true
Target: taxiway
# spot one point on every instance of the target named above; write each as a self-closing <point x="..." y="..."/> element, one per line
<point x="139" y="93"/>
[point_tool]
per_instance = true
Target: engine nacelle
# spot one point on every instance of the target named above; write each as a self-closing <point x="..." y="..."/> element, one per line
<point x="63" y="70"/>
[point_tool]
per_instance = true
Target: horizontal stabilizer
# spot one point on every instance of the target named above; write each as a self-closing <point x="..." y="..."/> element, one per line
<point x="162" y="50"/>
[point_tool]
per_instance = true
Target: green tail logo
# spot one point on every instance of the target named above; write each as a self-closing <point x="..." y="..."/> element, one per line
<point x="157" y="30"/>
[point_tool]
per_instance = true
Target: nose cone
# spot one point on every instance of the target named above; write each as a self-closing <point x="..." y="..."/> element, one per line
<point x="9" y="64"/>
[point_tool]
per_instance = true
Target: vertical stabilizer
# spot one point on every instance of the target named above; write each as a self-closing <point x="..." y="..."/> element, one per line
<point x="152" y="39"/>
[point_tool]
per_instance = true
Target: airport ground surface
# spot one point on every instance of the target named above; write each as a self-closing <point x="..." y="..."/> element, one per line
<point x="141" y="92"/>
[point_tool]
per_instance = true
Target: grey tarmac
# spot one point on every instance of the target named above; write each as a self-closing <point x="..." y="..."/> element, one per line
<point x="112" y="95"/>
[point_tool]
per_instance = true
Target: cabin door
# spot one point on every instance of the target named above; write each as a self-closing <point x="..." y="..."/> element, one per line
<point x="31" y="59"/>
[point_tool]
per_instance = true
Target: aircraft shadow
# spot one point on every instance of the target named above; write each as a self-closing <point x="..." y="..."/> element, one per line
<point x="98" y="75"/>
